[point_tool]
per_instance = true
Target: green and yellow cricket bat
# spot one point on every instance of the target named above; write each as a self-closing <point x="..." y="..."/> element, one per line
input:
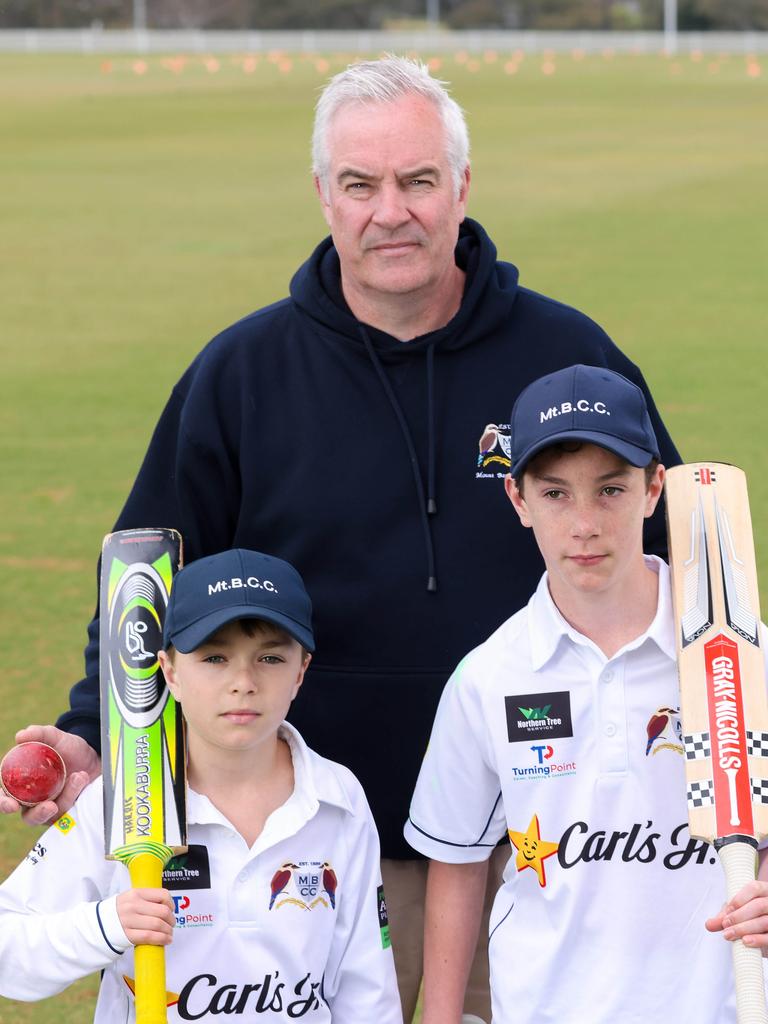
<point x="142" y="730"/>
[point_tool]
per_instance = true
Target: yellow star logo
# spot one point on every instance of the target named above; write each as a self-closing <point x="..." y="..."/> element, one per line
<point x="171" y="998"/>
<point x="532" y="850"/>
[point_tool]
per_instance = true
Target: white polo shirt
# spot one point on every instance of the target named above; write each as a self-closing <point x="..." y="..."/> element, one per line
<point x="294" y="928"/>
<point x="601" y="914"/>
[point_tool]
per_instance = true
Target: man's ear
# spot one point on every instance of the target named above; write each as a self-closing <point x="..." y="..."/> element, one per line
<point x="464" y="189"/>
<point x="321" y="195"/>
<point x="166" y="664"/>
<point x="518" y="501"/>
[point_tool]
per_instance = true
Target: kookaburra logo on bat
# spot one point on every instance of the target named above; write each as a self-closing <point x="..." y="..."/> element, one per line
<point x="136" y="614"/>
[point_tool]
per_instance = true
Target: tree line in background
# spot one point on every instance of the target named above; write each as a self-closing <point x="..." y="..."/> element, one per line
<point x="693" y="15"/>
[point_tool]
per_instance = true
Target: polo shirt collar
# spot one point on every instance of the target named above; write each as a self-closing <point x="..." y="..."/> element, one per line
<point x="547" y="628"/>
<point x="662" y="629"/>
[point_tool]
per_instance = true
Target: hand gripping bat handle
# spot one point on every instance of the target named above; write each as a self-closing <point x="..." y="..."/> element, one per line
<point x="739" y="862"/>
<point x="146" y="871"/>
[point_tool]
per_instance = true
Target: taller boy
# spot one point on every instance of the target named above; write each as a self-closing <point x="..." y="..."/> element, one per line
<point x="563" y="731"/>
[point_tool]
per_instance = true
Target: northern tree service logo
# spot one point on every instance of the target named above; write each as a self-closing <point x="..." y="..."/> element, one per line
<point x="308" y="884"/>
<point x="190" y="870"/>
<point x="538" y="716"/>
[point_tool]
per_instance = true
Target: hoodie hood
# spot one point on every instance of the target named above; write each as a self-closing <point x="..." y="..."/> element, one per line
<point x="490" y="290"/>
<point x="489" y="293"/>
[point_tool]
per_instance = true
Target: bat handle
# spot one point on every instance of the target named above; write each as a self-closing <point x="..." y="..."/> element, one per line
<point x="146" y="871"/>
<point x="739" y="860"/>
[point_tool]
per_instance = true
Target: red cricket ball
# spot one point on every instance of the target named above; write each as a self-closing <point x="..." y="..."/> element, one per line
<point x="32" y="772"/>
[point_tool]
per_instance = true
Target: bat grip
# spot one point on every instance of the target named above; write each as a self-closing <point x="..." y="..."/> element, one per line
<point x="146" y="871"/>
<point x="739" y="860"/>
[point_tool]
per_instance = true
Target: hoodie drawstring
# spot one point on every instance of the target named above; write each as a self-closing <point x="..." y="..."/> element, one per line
<point x="426" y="503"/>
<point x="431" y="503"/>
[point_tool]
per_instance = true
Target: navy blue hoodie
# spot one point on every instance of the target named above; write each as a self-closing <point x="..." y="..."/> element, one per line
<point x="376" y="467"/>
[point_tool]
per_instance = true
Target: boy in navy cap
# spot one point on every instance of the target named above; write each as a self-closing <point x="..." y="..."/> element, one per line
<point x="562" y="731"/>
<point x="277" y="910"/>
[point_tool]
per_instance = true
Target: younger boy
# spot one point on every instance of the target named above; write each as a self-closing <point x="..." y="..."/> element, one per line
<point x="277" y="911"/>
<point x="563" y="731"/>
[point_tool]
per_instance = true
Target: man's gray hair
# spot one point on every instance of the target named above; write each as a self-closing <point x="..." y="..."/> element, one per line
<point x="382" y="81"/>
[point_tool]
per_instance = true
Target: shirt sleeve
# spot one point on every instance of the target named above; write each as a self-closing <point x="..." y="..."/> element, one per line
<point x="456" y="814"/>
<point x="58" y="917"/>
<point x="360" y="984"/>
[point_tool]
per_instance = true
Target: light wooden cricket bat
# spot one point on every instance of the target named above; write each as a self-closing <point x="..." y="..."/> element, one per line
<point x="142" y="731"/>
<point x="723" y="700"/>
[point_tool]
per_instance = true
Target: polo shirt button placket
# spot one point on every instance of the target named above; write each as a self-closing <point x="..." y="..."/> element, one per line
<point x="613" y="757"/>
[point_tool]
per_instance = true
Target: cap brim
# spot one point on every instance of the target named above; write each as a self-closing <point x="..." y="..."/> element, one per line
<point x="190" y="638"/>
<point x="634" y="455"/>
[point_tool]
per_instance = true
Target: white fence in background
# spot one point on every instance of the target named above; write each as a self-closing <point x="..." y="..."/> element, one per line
<point x="98" y="40"/>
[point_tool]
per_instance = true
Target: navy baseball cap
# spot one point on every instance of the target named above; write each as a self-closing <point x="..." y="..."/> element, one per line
<point x="236" y="584"/>
<point x="582" y="403"/>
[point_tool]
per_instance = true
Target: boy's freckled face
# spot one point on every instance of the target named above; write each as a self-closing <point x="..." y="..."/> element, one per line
<point x="586" y="509"/>
<point x="236" y="689"/>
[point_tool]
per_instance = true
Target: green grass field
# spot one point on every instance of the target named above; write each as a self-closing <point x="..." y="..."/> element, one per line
<point x="143" y="212"/>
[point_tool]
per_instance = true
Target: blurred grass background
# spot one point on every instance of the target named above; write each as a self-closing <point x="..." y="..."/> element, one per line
<point x="148" y="202"/>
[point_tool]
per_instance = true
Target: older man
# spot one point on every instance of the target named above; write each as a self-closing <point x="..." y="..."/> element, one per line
<point x="357" y="429"/>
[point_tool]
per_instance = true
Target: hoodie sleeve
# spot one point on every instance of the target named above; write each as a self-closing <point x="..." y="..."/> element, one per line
<point x="180" y="485"/>
<point x="58" y="918"/>
<point x="360" y="985"/>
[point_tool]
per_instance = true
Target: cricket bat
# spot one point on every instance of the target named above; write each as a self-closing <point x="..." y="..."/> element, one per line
<point x="723" y="701"/>
<point x="142" y="730"/>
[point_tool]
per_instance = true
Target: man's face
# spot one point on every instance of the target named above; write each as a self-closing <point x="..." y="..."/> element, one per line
<point x="586" y="509"/>
<point x="392" y="205"/>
